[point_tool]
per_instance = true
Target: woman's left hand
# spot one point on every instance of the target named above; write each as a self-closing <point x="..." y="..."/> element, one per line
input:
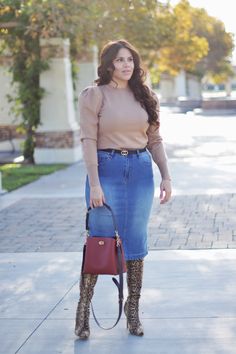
<point x="165" y="191"/>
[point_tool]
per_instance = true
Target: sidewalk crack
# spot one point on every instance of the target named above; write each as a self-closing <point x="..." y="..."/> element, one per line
<point x="45" y="318"/>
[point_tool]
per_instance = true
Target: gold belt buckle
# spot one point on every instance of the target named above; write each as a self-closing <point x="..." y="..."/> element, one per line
<point x="124" y="152"/>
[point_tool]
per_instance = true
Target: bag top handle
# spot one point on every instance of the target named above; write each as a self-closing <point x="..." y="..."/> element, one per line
<point x="113" y="219"/>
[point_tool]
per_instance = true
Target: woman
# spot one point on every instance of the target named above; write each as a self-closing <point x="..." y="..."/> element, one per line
<point x="120" y="137"/>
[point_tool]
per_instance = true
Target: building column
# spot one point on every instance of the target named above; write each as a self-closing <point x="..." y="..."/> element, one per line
<point x="228" y="87"/>
<point x="57" y="138"/>
<point x="10" y="138"/>
<point x="167" y="89"/>
<point x="181" y="84"/>
<point x="87" y="72"/>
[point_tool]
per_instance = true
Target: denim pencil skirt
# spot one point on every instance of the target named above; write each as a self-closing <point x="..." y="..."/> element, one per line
<point x="128" y="186"/>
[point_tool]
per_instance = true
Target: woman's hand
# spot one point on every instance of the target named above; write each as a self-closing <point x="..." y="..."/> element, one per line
<point x="165" y="191"/>
<point x="97" y="197"/>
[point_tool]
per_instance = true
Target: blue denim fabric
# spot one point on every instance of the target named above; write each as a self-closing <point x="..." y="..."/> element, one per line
<point x="128" y="186"/>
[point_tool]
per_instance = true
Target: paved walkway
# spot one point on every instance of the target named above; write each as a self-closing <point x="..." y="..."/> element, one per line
<point x="56" y="224"/>
<point x="188" y="301"/>
<point x="48" y="215"/>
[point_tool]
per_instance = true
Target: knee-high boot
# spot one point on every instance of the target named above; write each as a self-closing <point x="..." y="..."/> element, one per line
<point x="131" y="308"/>
<point x="87" y="284"/>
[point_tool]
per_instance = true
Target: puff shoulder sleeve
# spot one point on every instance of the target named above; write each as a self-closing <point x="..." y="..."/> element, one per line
<point x="90" y="101"/>
<point x="155" y="145"/>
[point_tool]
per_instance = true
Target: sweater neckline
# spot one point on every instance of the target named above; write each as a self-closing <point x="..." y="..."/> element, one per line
<point x="127" y="88"/>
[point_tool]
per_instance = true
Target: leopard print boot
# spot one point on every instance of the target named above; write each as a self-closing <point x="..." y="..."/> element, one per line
<point x="87" y="284"/>
<point x="131" y="308"/>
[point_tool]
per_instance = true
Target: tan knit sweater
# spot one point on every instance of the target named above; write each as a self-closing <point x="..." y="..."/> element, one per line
<point x="112" y="118"/>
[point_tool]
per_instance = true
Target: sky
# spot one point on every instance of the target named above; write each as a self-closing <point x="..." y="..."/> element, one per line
<point x="223" y="10"/>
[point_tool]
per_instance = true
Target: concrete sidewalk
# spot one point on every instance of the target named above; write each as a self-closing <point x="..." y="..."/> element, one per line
<point x="188" y="299"/>
<point x="187" y="305"/>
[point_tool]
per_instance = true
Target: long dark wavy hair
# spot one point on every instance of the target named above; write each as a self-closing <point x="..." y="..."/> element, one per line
<point x="136" y="83"/>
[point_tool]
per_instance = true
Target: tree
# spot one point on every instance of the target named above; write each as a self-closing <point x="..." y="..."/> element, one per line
<point x="186" y="48"/>
<point x="217" y="63"/>
<point x="85" y="22"/>
<point x="169" y="39"/>
<point x="200" y="46"/>
<point x="135" y="20"/>
<point x="23" y="23"/>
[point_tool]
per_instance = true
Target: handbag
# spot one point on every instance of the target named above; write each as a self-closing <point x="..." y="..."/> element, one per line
<point x="105" y="255"/>
<point x="101" y="254"/>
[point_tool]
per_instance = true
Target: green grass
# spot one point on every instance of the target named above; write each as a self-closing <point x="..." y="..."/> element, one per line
<point x="15" y="175"/>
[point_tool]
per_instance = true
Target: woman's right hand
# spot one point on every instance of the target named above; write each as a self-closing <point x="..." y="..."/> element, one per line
<point x="97" y="197"/>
